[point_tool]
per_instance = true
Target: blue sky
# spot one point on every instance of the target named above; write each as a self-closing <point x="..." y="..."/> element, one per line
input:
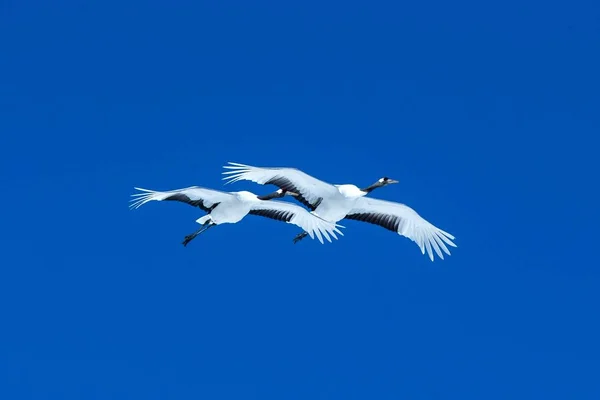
<point x="485" y="112"/>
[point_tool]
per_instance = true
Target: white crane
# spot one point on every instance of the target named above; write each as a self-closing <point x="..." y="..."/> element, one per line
<point x="232" y="207"/>
<point x="336" y="202"/>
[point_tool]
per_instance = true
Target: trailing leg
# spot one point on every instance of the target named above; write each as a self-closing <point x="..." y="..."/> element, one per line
<point x="202" y="229"/>
<point x="300" y="236"/>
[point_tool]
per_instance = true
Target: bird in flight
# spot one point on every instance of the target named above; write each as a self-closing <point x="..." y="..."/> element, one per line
<point x="232" y="207"/>
<point x="336" y="202"/>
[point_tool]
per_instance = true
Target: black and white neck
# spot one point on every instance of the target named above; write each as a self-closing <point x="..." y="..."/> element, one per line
<point x="275" y="195"/>
<point x="380" y="183"/>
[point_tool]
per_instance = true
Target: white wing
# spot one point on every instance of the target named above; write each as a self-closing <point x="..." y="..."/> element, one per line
<point x="404" y="220"/>
<point x="195" y="196"/>
<point x="311" y="190"/>
<point x="293" y="214"/>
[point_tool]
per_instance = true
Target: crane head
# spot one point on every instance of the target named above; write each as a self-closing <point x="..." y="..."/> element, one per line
<point x="386" y="181"/>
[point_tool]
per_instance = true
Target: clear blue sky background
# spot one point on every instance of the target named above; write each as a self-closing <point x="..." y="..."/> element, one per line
<point x="486" y="112"/>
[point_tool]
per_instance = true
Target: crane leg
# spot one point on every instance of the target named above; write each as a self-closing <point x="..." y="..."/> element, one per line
<point x="202" y="229"/>
<point x="300" y="236"/>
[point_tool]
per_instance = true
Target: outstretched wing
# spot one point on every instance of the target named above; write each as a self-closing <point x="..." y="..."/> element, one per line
<point x="311" y="191"/>
<point x="195" y="196"/>
<point x="293" y="214"/>
<point x="405" y="221"/>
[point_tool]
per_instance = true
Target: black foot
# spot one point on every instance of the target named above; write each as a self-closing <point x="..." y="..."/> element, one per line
<point x="300" y="236"/>
<point x="187" y="239"/>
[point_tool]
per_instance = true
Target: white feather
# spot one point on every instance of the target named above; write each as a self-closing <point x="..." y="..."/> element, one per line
<point x="309" y="222"/>
<point x="310" y="188"/>
<point x="410" y="224"/>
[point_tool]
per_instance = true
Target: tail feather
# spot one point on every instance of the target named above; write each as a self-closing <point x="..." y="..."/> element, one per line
<point x="139" y="199"/>
<point x="237" y="172"/>
<point x="233" y="165"/>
